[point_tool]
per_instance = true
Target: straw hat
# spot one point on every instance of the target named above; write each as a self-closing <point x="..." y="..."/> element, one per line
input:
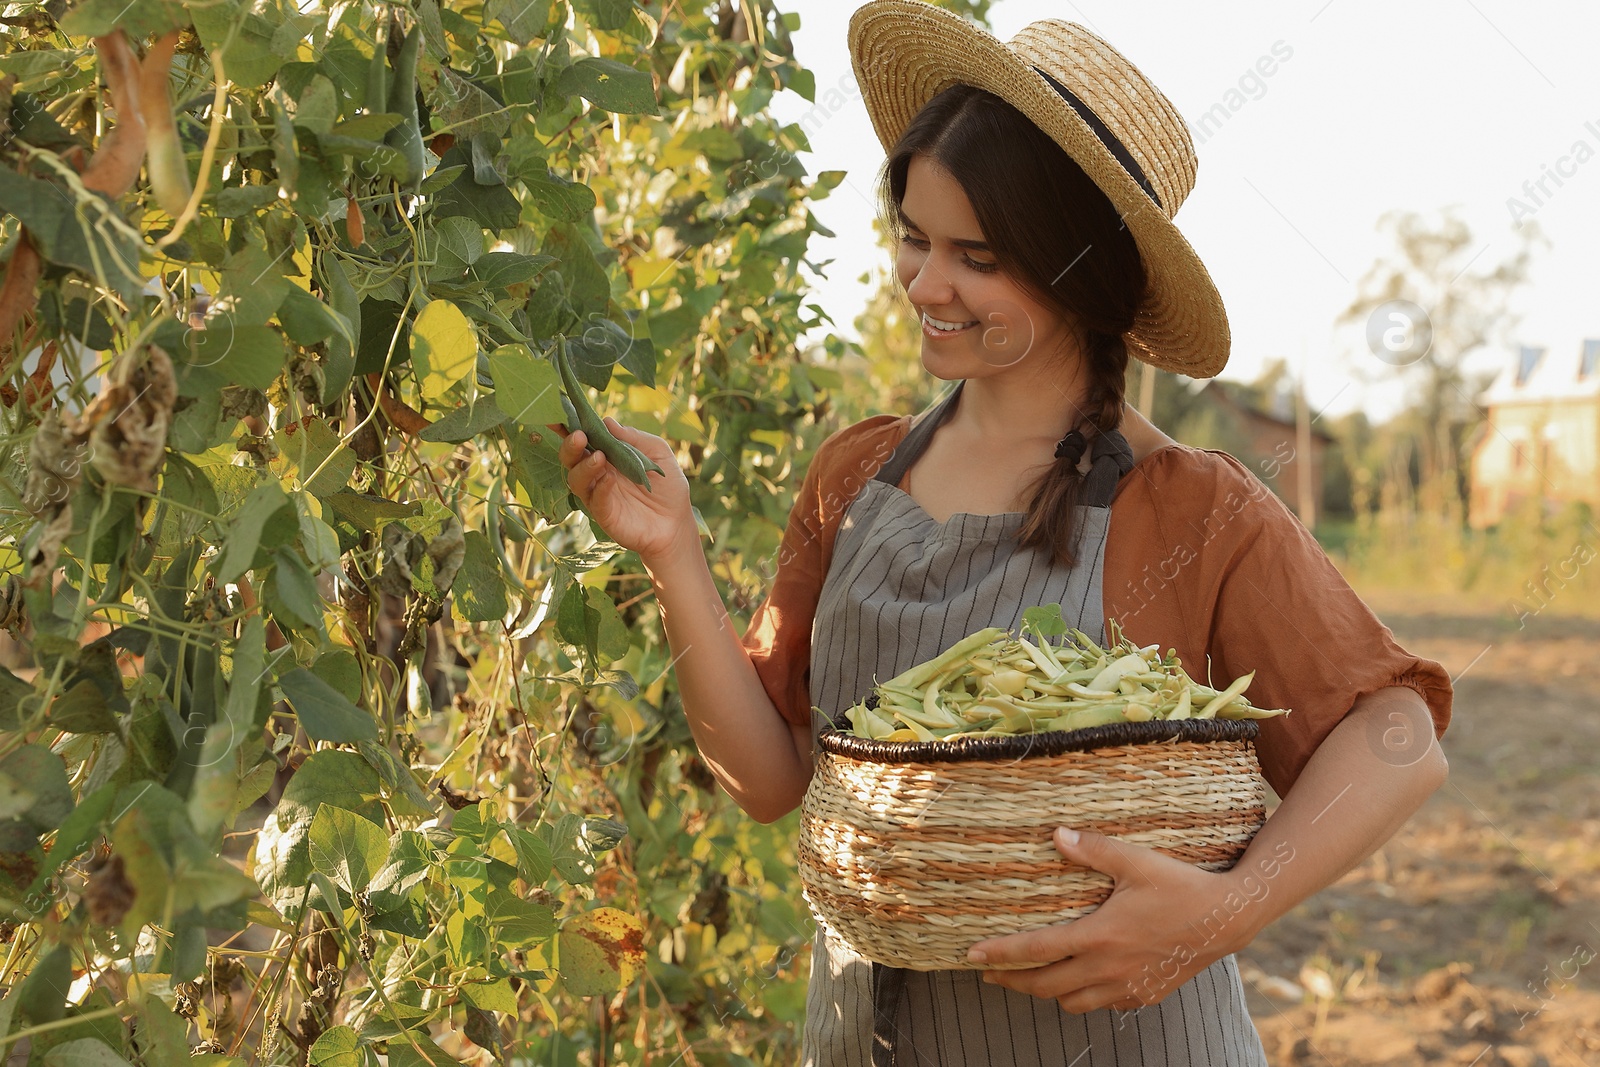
<point x="1097" y="106"/>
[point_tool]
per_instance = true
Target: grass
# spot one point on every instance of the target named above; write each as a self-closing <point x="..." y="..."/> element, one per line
<point x="1530" y="562"/>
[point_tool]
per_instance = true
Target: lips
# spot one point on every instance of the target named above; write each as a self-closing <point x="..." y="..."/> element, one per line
<point x="941" y="327"/>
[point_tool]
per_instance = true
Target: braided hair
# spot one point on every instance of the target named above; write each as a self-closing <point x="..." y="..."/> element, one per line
<point x="1039" y="212"/>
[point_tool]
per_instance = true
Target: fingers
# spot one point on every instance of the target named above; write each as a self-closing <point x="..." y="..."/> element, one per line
<point x="1052" y="980"/>
<point x="1104" y="854"/>
<point x="587" y="474"/>
<point x="648" y="443"/>
<point x="1096" y="997"/>
<point x="1046" y="945"/>
<point x="572" y="448"/>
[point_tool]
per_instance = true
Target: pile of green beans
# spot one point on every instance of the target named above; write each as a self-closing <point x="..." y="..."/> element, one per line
<point x="994" y="683"/>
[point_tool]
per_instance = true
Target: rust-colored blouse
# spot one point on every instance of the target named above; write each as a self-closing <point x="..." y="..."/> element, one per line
<point x="1201" y="557"/>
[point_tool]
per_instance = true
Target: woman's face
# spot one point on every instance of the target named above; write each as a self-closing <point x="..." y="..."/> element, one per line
<point x="952" y="279"/>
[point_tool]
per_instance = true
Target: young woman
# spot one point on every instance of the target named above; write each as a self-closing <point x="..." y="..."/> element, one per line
<point x="1032" y="185"/>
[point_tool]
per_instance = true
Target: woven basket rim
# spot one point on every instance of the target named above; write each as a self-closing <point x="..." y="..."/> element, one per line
<point x="1012" y="747"/>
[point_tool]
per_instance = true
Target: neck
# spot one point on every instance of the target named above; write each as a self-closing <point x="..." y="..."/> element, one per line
<point x="1019" y="408"/>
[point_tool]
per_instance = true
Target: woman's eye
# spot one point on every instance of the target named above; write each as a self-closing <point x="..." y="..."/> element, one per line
<point x="921" y="245"/>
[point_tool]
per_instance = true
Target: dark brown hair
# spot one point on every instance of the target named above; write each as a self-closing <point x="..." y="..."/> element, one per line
<point x="1039" y="213"/>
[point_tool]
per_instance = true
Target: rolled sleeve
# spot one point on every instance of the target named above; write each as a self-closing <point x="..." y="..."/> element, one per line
<point x="1283" y="610"/>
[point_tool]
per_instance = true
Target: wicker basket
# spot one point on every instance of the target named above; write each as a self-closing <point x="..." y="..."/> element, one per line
<point x="914" y="851"/>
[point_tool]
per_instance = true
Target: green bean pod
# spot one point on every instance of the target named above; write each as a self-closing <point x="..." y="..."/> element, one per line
<point x="629" y="460"/>
<point x="341" y="350"/>
<point x="406" y="137"/>
<point x="378" y="72"/>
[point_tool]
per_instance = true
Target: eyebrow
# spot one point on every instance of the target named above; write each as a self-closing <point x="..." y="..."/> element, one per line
<point x="959" y="242"/>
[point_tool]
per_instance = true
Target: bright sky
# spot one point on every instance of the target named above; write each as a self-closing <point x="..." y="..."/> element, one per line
<point x="1418" y="106"/>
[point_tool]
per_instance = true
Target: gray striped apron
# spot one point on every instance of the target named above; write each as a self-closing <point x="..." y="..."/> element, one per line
<point x="901" y="588"/>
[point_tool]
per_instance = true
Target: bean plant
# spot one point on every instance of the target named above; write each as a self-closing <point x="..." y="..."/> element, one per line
<point x="331" y="728"/>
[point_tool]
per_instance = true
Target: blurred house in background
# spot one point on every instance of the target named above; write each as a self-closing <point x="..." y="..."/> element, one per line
<point x="1541" y="439"/>
<point x="1270" y="446"/>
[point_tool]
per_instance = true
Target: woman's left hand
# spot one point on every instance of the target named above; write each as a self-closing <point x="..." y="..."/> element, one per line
<point x="1164" y="922"/>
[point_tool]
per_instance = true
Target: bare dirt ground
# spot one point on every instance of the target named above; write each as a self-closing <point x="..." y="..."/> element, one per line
<point x="1472" y="937"/>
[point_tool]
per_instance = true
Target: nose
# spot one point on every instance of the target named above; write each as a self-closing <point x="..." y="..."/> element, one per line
<point x="931" y="286"/>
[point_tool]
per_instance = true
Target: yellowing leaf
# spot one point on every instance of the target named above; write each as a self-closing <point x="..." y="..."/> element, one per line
<point x="600" y="951"/>
<point x="444" y="347"/>
<point x="776" y="438"/>
<point x="644" y="398"/>
<point x="652" y="272"/>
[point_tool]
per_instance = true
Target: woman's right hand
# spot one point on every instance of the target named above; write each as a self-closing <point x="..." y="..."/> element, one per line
<point x="654" y="523"/>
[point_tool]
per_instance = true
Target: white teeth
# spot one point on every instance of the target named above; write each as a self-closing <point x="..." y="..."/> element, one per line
<point x="941" y="325"/>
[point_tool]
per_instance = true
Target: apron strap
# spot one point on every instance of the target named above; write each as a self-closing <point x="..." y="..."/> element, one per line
<point x="1113" y="457"/>
<point x="888" y="983"/>
<point x="911" y="447"/>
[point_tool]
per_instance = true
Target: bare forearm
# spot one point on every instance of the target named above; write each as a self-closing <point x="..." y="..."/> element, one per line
<point x="755" y="753"/>
<point x="1370" y="774"/>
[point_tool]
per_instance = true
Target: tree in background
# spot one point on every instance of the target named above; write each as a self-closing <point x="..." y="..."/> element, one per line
<point x="1431" y="266"/>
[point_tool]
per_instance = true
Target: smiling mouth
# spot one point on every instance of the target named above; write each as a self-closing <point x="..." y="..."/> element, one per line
<point x="940" y="326"/>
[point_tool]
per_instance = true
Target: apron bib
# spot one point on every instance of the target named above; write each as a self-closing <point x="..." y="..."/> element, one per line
<point x="900" y="589"/>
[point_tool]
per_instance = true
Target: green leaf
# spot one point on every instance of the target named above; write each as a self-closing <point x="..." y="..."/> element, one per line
<point x="560" y="198"/>
<point x="523" y="20"/>
<point x="610" y="85"/>
<point x="12" y="692"/>
<point x="517" y="923"/>
<point x="444" y="348"/>
<point x="536" y="467"/>
<point x="250" y="58"/>
<point x="77" y="830"/>
<point x="463" y="424"/>
<point x="492" y="996"/>
<point x="410" y="858"/>
<point x="340" y="669"/>
<point x="240" y="354"/>
<point x="84" y="1052"/>
<point x="42" y="996"/>
<point x="379" y="321"/>
<point x="491" y="206"/>
<point x="464" y="107"/>
<point x="587" y="288"/>
<point x="245" y="528"/>
<point x="338" y="1046"/>
<point x="454" y="244"/>
<point x="306" y="319"/>
<point x="97" y="18"/>
<point x="496" y="270"/>
<point x="1045" y="620"/>
<point x="253" y="285"/>
<point x="283" y="852"/>
<point x="534" y="857"/>
<point x="82" y="709"/>
<point x="526" y="388"/>
<point x="480" y="589"/>
<point x="162" y="1034"/>
<point x="295" y="588"/>
<point x="89" y="244"/>
<point x="600" y="951"/>
<point x="368" y="512"/>
<point x="324" y="712"/>
<point x="328" y="462"/>
<point x="33" y="781"/>
<point x="216" y="779"/>
<point x="589" y="619"/>
<point x="403" y="1054"/>
<point x="347" y="848"/>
